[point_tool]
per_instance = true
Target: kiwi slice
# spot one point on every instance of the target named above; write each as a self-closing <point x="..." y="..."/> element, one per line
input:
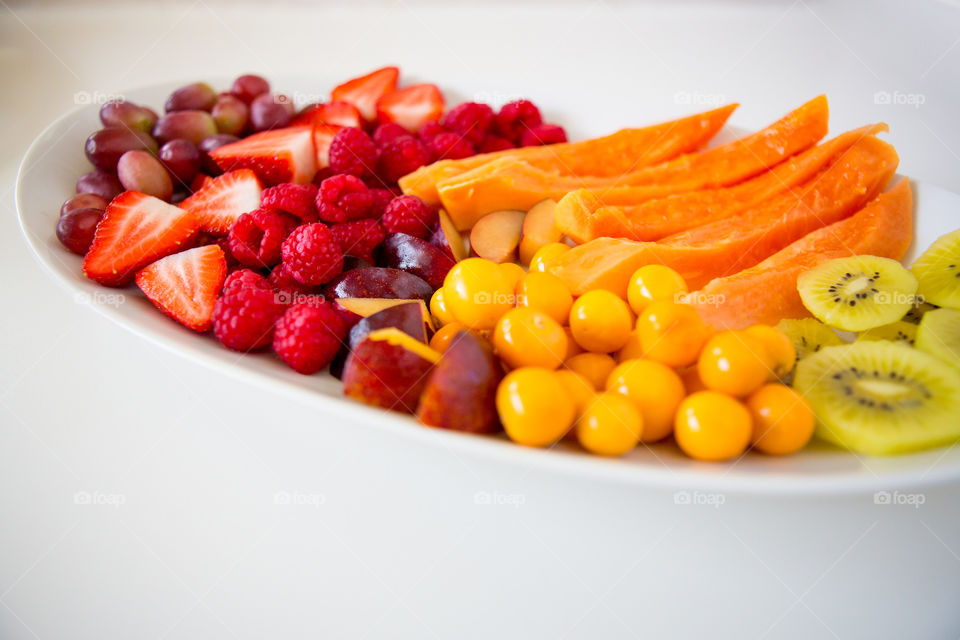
<point x="881" y="398"/>
<point x="938" y="271"/>
<point x="939" y="335"/>
<point x="858" y="293"/>
<point x="899" y="331"/>
<point x="917" y="311"/>
<point x="809" y="335"/>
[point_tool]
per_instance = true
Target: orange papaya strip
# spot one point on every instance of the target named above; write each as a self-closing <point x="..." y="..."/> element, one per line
<point x="614" y="154"/>
<point x="767" y="292"/>
<point x="732" y="244"/>
<point x="583" y="216"/>
<point x="510" y="183"/>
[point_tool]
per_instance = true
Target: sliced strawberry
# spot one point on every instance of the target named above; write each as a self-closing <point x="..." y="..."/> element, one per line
<point x="136" y="229"/>
<point x="337" y="112"/>
<point x="322" y="137"/>
<point x="277" y="156"/>
<point x="363" y="92"/>
<point x="185" y="285"/>
<point x="411" y="107"/>
<point x="200" y="182"/>
<point x="224" y="199"/>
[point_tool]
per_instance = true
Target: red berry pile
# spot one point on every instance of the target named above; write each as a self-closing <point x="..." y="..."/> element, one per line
<point x="238" y="213"/>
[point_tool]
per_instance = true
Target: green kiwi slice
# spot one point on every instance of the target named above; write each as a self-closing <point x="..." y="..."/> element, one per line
<point x="938" y="272"/>
<point x="858" y="293"/>
<point x="881" y="398"/>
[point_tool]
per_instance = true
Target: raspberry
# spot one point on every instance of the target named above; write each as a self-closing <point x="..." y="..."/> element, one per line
<point x="388" y="132"/>
<point x="297" y="199"/>
<point x="308" y="336"/>
<point x="244" y="316"/>
<point x="343" y="197"/>
<point x="472" y="120"/>
<point x="449" y="146"/>
<point x="516" y="117"/>
<point x="245" y="278"/>
<point x="381" y="198"/>
<point x="430" y="129"/>
<point x="353" y="152"/>
<point x="491" y="144"/>
<point x="402" y="156"/>
<point x="311" y="254"/>
<point x="359" y="238"/>
<point x="322" y="174"/>
<point x="287" y="288"/>
<point x="255" y="237"/>
<point x="410" y="215"/>
<point x="543" y="134"/>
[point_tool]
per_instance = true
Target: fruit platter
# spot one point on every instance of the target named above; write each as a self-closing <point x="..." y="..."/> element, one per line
<point x="778" y="299"/>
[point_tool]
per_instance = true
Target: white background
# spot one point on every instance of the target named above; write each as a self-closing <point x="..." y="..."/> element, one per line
<point x="398" y="546"/>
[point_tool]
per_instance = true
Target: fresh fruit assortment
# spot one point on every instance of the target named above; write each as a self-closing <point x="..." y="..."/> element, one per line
<point x="473" y="268"/>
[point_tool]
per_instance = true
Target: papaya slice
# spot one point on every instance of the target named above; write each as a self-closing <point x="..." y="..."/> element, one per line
<point x="767" y="292"/>
<point x="733" y="244"/>
<point x="583" y="215"/>
<point x="511" y="183"/>
<point x="610" y="155"/>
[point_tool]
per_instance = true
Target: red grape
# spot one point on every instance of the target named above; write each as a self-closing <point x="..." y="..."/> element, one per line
<point x="104" y="184"/>
<point x="209" y="144"/>
<point x="189" y="125"/>
<point x="104" y="147"/>
<point x="83" y="201"/>
<point x="75" y="229"/>
<point x="270" y="112"/>
<point x="231" y="115"/>
<point x="182" y="159"/>
<point x="198" y="96"/>
<point x="249" y="87"/>
<point x="140" y="171"/>
<point x="120" y="113"/>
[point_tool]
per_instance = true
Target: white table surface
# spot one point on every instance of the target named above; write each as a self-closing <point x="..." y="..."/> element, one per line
<point x="196" y="459"/>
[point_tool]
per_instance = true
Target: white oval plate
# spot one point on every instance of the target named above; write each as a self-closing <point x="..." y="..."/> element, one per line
<point x="55" y="159"/>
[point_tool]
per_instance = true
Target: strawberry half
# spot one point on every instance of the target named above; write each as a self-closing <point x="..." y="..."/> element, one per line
<point x="185" y="286"/>
<point x="363" y="92"/>
<point x="322" y="137"/>
<point x="276" y="156"/>
<point x="223" y="199"/>
<point x="412" y="107"/>
<point x="136" y="229"/>
<point x="337" y="112"/>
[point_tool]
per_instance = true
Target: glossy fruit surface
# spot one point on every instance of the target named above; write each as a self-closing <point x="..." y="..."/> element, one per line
<point x="545" y="292"/>
<point x="533" y="406"/>
<point x="712" y="426"/>
<point x="545" y="254"/>
<point x="600" y="321"/>
<point x="477" y="293"/>
<point x="528" y="338"/>
<point x="735" y="363"/>
<point x="513" y="273"/>
<point x="783" y="355"/>
<point x="655" y="389"/>
<point x="671" y="333"/>
<point x="141" y="171"/>
<point x="651" y="283"/>
<point x="442" y="338"/>
<point x="579" y="388"/>
<point x="610" y="426"/>
<point x="594" y="367"/>
<point x="783" y="422"/>
<point x="438" y="308"/>
<point x="75" y="229"/>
